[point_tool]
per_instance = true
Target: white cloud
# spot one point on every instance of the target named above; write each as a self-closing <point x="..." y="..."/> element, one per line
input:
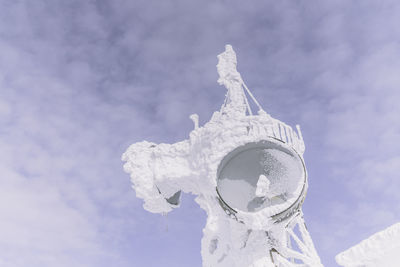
<point x="38" y="224"/>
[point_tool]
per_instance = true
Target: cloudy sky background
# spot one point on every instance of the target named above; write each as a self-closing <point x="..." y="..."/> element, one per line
<point x="82" y="80"/>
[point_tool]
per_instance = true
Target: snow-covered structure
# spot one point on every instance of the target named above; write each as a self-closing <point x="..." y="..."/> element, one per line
<point x="379" y="250"/>
<point x="248" y="173"/>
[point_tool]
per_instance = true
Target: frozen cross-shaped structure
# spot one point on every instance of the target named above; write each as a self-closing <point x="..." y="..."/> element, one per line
<point x="248" y="174"/>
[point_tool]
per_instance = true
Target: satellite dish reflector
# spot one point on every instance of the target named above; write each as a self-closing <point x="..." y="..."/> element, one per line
<point x="262" y="175"/>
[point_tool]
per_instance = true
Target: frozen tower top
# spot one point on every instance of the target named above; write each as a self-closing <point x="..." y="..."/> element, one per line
<point x="226" y="68"/>
<point x="231" y="79"/>
<point x="236" y="102"/>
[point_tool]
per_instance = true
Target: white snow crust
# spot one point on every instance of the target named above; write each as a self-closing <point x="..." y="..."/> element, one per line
<point x="158" y="171"/>
<point x="379" y="250"/>
<point x="262" y="188"/>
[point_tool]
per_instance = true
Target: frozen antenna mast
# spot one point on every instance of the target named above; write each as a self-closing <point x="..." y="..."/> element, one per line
<point x="248" y="174"/>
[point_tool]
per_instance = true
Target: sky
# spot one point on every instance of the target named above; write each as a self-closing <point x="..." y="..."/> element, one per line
<point x="82" y="80"/>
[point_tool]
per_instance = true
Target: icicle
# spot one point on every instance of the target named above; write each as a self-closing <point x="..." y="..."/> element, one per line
<point x="283" y="135"/>
<point x="289" y="134"/>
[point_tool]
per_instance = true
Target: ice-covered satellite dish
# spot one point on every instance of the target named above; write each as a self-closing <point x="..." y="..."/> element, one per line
<point x="261" y="175"/>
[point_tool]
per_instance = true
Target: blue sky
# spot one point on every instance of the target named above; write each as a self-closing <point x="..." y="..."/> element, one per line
<point x="82" y="80"/>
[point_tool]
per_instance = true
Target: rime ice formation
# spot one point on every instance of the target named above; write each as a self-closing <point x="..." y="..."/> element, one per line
<point x="380" y="250"/>
<point x="248" y="174"/>
<point x="262" y="188"/>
